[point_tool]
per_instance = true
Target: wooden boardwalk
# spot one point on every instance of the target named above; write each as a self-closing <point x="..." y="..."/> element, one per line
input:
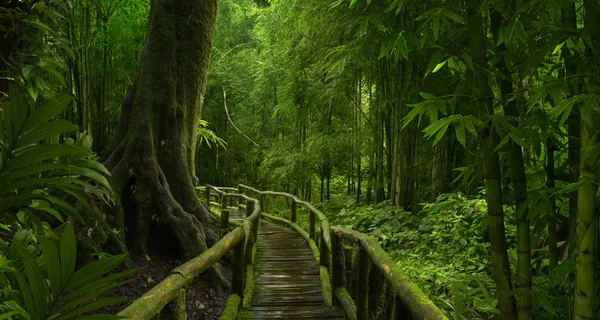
<point x="286" y="278"/>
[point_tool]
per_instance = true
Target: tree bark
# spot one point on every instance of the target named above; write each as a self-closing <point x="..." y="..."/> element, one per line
<point x="152" y="159"/>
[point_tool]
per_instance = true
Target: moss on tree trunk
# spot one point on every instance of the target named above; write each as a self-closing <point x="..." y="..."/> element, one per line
<point x="152" y="160"/>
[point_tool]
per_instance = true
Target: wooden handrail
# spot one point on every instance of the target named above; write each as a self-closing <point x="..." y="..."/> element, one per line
<point x="409" y="301"/>
<point x="171" y="290"/>
<point x="160" y="295"/>
<point x="415" y="304"/>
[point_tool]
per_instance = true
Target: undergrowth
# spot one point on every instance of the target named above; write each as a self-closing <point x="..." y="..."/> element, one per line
<point x="444" y="248"/>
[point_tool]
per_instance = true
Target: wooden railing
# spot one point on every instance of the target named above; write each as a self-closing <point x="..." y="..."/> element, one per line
<point x="167" y="299"/>
<point x="366" y="281"/>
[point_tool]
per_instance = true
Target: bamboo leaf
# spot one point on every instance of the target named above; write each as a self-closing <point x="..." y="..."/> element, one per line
<point x="461" y="136"/>
<point x="402" y="46"/>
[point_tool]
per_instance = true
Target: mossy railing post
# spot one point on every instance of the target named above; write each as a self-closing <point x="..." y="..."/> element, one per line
<point x="249" y="210"/>
<point x="224" y="221"/>
<point x="263" y="203"/>
<point x="175" y="310"/>
<point x="311" y="225"/>
<point x="350" y="279"/>
<point x="294" y="211"/>
<point x="238" y="265"/>
<point x="338" y="278"/>
<point x="324" y="254"/>
<point x="207" y="195"/>
<point x="400" y="311"/>
<point x="375" y="288"/>
<point x="362" y="294"/>
<point x="223" y="202"/>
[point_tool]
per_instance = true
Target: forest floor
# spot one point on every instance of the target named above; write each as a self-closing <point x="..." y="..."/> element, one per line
<point x="203" y="302"/>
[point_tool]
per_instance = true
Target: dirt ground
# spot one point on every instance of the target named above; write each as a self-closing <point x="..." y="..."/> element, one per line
<point x="202" y="301"/>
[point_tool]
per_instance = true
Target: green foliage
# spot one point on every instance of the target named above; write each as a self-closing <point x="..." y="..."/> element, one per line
<point x="41" y="282"/>
<point x="33" y="168"/>
<point x="205" y="135"/>
<point x="443" y="248"/>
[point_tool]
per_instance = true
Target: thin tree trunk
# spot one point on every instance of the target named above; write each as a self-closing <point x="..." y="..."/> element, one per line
<point x="483" y="97"/>
<point x="586" y="289"/>
<point x="552" y="242"/>
<point x="519" y="181"/>
<point x="574" y="127"/>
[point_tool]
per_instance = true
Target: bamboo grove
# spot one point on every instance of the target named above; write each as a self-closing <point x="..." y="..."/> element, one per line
<point x="401" y="101"/>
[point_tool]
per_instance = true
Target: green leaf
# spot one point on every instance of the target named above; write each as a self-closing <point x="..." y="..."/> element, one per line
<point x="35" y="281"/>
<point x="68" y="253"/>
<point x="427" y="96"/>
<point x="94" y="270"/>
<point x="501" y="144"/>
<point x="44" y="131"/>
<point x="91" y="307"/>
<point x="49" y="111"/>
<point x="402" y="46"/>
<point x="461" y="136"/>
<point x="439" y="66"/>
<point x="52" y="259"/>
<point x="39" y="153"/>
<point x="558" y="48"/>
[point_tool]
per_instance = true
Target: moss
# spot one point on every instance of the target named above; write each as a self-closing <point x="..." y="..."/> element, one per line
<point x="231" y="308"/>
<point x="345" y="300"/>
<point x="326" y="286"/>
<point x="249" y="289"/>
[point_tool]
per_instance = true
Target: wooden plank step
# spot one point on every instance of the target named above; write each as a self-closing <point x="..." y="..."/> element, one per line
<point x="292" y="312"/>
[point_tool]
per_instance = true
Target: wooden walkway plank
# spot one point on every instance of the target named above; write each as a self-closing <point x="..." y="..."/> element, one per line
<point x="287" y="284"/>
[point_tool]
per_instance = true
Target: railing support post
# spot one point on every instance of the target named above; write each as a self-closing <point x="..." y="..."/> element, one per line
<point x="294" y="211"/>
<point x="324" y="254"/>
<point x="249" y="210"/>
<point x="263" y="203"/>
<point x="362" y="294"/>
<point x="224" y="221"/>
<point x="174" y="310"/>
<point x="223" y="202"/>
<point x="339" y="263"/>
<point x="311" y="225"/>
<point x="207" y="195"/>
<point x="400" y="311"/>
<point x="238" y="269"/>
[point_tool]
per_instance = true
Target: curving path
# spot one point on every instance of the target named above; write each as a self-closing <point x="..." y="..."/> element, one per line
<point x="286" y="278"/>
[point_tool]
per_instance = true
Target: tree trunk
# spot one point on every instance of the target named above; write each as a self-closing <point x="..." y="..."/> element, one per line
<point x="550" y="183"/>
<point x="570" y="21"/>
<point x="152" y="160"/>
<point x="483" y="98"/>
<point x="586" y="232"/>
<point x="519" y="180"/>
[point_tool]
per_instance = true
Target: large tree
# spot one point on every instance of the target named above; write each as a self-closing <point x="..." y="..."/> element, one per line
<point x="152" y="159"/>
